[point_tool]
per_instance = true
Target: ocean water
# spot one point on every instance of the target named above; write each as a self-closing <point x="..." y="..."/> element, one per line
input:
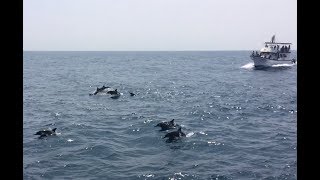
<point x="240" y="122"/>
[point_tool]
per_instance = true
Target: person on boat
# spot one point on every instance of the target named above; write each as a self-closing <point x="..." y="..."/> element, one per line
<point x="252" y="53"/>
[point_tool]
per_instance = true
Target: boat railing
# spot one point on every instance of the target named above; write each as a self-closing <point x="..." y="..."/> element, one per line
<point x="255" y="54"/>
<point x="277" y="48"/>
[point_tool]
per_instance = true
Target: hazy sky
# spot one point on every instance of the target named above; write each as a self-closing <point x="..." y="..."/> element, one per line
<point x="108" y="25"/>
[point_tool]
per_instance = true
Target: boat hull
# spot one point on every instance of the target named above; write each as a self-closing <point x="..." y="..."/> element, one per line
<point x="260" y="61"/>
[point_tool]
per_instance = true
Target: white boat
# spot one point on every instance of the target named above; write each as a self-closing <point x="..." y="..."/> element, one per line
<point x="273" y="53"/>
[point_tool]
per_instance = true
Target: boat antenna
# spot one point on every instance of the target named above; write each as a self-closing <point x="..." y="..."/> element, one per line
<point x="273" y="38"/>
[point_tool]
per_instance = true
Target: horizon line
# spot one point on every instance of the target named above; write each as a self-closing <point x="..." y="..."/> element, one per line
<point x="130" y="50"/>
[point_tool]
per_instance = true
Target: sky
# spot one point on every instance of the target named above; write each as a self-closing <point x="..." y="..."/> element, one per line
<point x="156" y="25"/>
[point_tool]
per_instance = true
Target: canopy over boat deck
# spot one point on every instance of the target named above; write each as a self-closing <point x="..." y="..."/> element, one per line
<point x="276" y="43"/>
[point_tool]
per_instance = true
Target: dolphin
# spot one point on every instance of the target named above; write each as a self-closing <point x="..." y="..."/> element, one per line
<point x="132" y="94"/>
<point x="174" y="135"/>
<point x="99" y="90"/>
<point x="113" y="92"/>
<point x="46" y="132"/>
<point x="116" y="96"/>
<point x="166" y="125"/>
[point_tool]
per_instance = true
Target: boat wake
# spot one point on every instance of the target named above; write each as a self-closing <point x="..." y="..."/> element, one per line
<point x="283" y="65"/>
<point x="276" y="66"/>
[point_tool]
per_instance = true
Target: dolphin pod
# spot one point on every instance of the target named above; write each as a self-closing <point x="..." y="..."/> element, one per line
<point x="174" y="135"/>
<point x="108" y="90"/>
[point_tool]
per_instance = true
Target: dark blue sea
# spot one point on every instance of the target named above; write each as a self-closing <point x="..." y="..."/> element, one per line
<point x="240" y="122"/>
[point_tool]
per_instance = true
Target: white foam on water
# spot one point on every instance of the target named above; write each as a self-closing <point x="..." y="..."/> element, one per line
<point x="190" y="134"/>
<point x="248" y="66"/>
<point x="283" y="65"/>
<point x="251" y="65"/>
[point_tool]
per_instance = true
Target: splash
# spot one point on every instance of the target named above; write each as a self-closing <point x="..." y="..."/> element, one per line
<point x="203" y="133"/>
<point x="248" y="66"/>
<point x="190" y="134"/>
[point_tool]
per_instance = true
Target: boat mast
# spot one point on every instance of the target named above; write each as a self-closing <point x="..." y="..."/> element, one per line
<point x="273" y="38"/>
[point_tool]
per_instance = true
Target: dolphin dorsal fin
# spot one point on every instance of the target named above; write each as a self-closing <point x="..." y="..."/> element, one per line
<point x="54" y="129"/>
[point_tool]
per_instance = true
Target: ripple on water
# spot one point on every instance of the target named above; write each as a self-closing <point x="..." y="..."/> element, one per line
<point x="236" y="127"/>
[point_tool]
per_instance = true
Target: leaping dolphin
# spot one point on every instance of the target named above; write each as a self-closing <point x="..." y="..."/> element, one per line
<point x="99" y="90"/>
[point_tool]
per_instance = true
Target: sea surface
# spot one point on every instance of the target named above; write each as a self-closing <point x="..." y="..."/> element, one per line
<point x="240" y="122"/>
